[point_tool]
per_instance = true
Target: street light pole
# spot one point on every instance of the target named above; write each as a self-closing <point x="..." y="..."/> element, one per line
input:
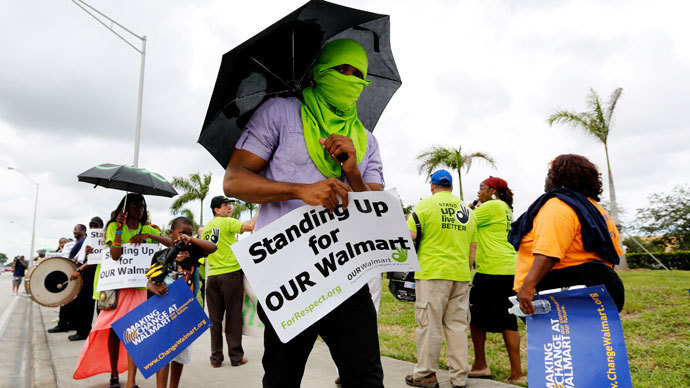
<point x="141" y="97"/>
<point x="91" y="10"/>
<point x="33" y="228"/>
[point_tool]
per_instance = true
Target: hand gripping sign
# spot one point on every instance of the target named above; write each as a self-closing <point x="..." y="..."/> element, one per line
<point x="156" y="331"/>
<point x="129" y="270"/>
<point x="306" y="263"/>
<point x="579" y="343"/>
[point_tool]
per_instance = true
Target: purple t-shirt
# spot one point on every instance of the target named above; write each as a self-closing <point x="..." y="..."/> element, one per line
<point x="275" y="134"/>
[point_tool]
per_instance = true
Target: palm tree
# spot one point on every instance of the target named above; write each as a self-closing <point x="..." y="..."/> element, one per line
<point x="596" y="122"/>
<point x="406" y="209"/>
<point x="195" y="187"/>
<point x="436" y="156"/>
<point x="240" y="207"/>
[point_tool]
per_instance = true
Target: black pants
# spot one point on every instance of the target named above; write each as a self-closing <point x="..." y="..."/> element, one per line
<point x="224" y="296"/>
<point x="82" y="306"/>
<point x="589" y="274"/>
<point x="65" y="316"/>
<point x="351" y="333"/>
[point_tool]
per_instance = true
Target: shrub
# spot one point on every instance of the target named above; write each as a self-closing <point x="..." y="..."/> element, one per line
<point x="672" y="260"/>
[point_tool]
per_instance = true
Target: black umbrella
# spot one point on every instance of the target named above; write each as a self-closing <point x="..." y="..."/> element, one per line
<point x="127" y="178"/>
<point x="276" y="62"/>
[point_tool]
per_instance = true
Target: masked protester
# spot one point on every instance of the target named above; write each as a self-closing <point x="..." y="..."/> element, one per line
<point x="314" y="150"/>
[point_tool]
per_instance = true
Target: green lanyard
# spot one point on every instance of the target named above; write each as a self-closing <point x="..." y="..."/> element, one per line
<point x="129" y="233"/>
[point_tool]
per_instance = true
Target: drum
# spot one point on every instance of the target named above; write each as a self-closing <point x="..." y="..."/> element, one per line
<point x="48" y="282"/>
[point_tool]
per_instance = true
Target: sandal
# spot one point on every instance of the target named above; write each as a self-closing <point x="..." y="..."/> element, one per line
<point x="519" y="381"/>
<point x="114" y="382"/>
<point x="480" y="373"/>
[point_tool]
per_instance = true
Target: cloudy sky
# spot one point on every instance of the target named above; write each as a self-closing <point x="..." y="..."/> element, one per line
<point x="481" y="75"/>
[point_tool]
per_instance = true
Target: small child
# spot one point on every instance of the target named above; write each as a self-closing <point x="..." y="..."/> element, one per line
<point x="183" y="266"/>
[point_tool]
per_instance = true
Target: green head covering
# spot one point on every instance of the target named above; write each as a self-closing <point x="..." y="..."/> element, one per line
<point x="330" y="105"/>
<point x="340" y="52"/>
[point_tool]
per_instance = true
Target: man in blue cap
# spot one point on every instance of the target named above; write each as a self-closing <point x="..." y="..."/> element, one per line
<point x="446" y="253"/>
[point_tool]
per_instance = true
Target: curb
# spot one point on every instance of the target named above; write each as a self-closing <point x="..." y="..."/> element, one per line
<point x="42" y="371"/>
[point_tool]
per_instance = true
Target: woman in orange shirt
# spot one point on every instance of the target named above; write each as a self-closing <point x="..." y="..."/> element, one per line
<point x="566" y="238"/>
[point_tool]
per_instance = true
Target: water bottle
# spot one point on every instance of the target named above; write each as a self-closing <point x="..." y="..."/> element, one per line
<point x="541" y="306"/>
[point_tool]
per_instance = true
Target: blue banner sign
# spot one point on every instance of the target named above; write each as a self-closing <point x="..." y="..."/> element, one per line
<point x="159" y="329"/>
<point x="579" y="343"/>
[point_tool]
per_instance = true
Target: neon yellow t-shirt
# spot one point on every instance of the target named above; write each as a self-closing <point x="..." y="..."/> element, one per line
<point x="448" y="229"/>
<point x="221" y="231"/>
<point x="127" y="235"/>
<point x="495" y="255"/>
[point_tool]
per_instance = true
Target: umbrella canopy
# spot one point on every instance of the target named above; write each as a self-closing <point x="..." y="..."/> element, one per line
<point x="127" y="178"/>
<point x="276" y="62"/>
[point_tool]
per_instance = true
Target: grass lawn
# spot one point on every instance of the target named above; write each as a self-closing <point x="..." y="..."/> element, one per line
<point x="656" y="323"/>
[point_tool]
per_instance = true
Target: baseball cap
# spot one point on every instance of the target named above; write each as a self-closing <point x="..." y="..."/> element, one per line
<point x="96" y="220"/>
<point x="216" y="202"/>
<point x="442" y="178"/>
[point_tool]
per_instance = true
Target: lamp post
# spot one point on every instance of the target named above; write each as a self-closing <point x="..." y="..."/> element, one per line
<point x="90" y="10"/>
<point x="33" y="229"/>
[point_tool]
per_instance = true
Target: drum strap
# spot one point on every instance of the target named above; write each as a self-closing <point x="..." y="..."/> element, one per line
<point x="418" y="224"/>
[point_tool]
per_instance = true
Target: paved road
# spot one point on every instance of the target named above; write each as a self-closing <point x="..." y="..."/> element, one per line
<point x="320" y="370"/>
<point x="15" y="335"/>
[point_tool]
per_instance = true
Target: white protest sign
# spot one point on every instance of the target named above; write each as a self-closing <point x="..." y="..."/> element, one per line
<point x="95" y="239"/>
<point x="306" y="263"/>
<point x="251" y="325"/>
<point x="129" y="270"/>
<point x="64" y="252"/>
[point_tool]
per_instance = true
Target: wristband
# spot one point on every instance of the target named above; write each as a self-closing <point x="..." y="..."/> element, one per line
<point x="118" y="232"/>
<point x="79" y="269"/>
<point x="117" y="245"/>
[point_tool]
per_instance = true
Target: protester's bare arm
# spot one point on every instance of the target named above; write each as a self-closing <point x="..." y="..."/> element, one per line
<point x="473" y="253"/>
<point x="248" y="226"/>
<point x="206" y="246"/>
<point x="158" y="289"/>
<point x="116" y="245"/>
<point x="337" y="145"/>
<point x="413" y="234"/>
<point x="242" y="181"/>
<point x="540" y="267"/>
<point x="78" y="271"/>
<point x="115" y="252"/>
<point x="142" y="237"/>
